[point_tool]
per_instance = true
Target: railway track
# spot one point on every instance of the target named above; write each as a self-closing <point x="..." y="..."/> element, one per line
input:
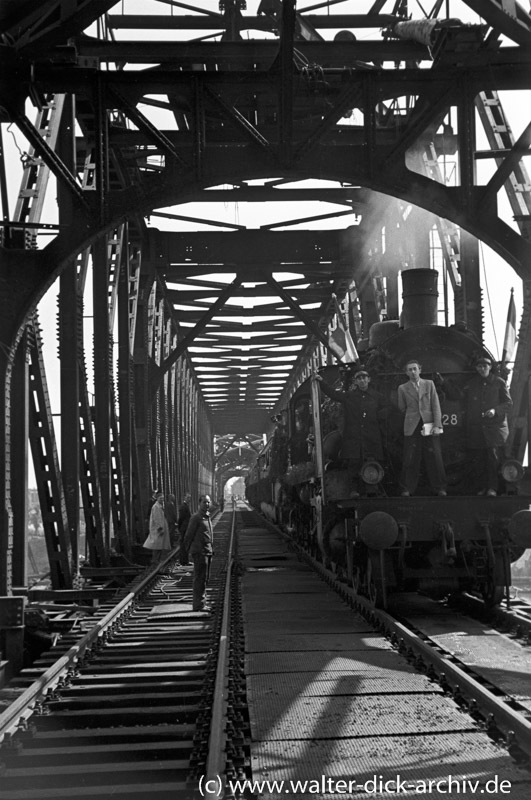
<point x="482" y="691"/>
<point x="126" y="710"/>
<point x="152" y="700"/>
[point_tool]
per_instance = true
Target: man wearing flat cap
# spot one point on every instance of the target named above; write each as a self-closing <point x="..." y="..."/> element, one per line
<point x="364" y="409"/>
<point x="487" y="401"/>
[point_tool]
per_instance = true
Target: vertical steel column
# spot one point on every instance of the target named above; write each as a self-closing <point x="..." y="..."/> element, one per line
<point x="190" y="432"/>
<point x="5" y="234"/>
<point x="158" y="401"/>
<point x="194" y="465"/>
<point x="472" y="307"/>
<point x="89" y="479"/>
<point x="124" y="385"/>
<point x="199" y="128"/>
<point x="6" y="516"/>
<point x="172" y="427"/>
<point x="466" y="136"/>
<point x="182" y="477"/>
<point x="102" y="378"/>
<point x="70" y="321"/>
<point x="19" y="461"/>
<point x="142" y="404"/>
<point x="369" y="123"/>
<point x="285" y="83"/>
<point x="46" y="464"/>
<point x="101" y="149"/>
<point x="70" y="342"/>
<point x="139" y="491"/>
<point x="6" y="523"/>
<point x="164" y="404"/>
<point x="11" y="625"/>
<point x="470" y="294"/>
<point x="119" y="515"/>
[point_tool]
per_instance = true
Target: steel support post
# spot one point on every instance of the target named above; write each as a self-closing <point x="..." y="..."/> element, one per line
<point x="191" y="433"/>
<point x="179" y="478"/>
<point x="142" y="407"/>
<point x="124" y="386"/>
<point x="470" y="284"/>
<point x="11" y="631"/>
<point x="164" y="432"/>
<point x="466" y="135"/>
<point x="19" y="461"/>
<point x="173" y="422"/>
<point x="184" y="485"/>
<point x="102" y="379"/>
<point x="6" y="522"/>
<point x="70" y="326"/>
<point x="70" y="344"/>
<point x="155" y="355"/>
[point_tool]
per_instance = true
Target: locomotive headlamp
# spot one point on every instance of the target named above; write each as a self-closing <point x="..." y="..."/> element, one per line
<point x="378" y="530"/>
<point x="371" y="473"/>
<point x="512" y="471"/>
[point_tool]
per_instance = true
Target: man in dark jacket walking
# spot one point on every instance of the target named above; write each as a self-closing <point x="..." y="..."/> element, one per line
<point x="487" y="401"/>
<point x="198" y="540"/>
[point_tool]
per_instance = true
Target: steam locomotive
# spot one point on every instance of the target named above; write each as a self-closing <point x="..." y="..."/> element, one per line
<point x="381" y="542"/>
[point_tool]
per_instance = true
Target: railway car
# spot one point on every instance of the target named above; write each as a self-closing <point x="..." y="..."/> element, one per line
<point x="381" y="542"/>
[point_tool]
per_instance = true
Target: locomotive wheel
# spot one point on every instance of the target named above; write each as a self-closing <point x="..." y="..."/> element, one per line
<point x="492" y="594"/>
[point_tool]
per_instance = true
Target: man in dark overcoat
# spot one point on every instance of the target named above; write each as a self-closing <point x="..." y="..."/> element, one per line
<point x="487" y="401"/>
<point x="364" y="409"/>
<point x="198" y="540"/>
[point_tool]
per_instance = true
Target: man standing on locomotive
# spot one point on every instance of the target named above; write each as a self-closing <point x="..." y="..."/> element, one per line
<point x="364" y="410"/>
<point x="487" y="401"/>
<point x="418" y="400"/>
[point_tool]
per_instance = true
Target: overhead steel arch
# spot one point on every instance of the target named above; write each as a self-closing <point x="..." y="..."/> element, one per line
<point x="241" y="118"/>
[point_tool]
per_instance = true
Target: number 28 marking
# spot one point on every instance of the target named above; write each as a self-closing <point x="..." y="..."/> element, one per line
<point x="450" y="419"/>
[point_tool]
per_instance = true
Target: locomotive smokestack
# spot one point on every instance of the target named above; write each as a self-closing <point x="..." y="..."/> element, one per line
<point x="419" y="296"/>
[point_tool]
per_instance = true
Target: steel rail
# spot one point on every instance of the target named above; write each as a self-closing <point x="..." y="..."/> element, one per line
<point x="429" y="658"/>
<point x="24" y="705"/>
<point x="216" y="762"/>
<point x="512" y="724"/>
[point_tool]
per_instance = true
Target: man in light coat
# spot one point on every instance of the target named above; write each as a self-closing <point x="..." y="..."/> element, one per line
<point x="158" y="540"/>
<point x="418" y="401"/>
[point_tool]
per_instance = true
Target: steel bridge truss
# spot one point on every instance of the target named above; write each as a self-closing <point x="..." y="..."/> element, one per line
<point x="129" y="123"/>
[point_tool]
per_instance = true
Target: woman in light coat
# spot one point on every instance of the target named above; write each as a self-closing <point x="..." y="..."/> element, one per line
<point x="158" y="540"/>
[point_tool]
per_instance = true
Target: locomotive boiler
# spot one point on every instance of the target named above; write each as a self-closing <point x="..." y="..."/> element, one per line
<point x="381" y="542"/>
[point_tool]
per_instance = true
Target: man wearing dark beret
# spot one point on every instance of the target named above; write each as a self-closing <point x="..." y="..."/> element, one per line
<point x="364" y="409"/>
<point x="487" y="401"/>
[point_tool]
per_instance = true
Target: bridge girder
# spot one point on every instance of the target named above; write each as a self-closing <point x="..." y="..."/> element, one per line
<point x="157" y="124"/>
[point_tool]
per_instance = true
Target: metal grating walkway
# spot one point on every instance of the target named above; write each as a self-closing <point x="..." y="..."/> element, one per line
<point x="329" y="699"/>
